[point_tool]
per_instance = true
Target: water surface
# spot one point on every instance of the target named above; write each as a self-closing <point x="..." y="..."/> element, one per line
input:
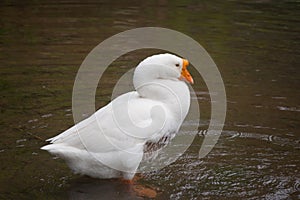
<point x="255" y="45"/>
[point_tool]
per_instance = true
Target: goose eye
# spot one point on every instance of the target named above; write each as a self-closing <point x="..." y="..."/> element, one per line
<point x="177" y="65"/>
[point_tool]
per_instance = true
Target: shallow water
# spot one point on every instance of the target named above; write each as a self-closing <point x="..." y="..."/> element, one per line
<point x="255" y="45"/>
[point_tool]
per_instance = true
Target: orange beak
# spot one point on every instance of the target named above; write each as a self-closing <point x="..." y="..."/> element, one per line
<point x="185" y="74"/>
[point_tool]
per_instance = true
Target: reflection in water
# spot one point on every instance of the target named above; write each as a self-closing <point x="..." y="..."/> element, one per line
<point x="88" y="188"/>
<point x="255" y="45"/>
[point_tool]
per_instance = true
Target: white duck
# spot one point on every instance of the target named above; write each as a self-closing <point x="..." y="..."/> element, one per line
<point x="111" y="143"/>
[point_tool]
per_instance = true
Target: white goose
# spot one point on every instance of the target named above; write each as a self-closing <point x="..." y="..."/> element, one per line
<point x="111" y="143"/>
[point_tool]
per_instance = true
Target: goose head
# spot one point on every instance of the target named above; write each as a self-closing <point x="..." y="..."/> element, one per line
<point x="161" y="67"/>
